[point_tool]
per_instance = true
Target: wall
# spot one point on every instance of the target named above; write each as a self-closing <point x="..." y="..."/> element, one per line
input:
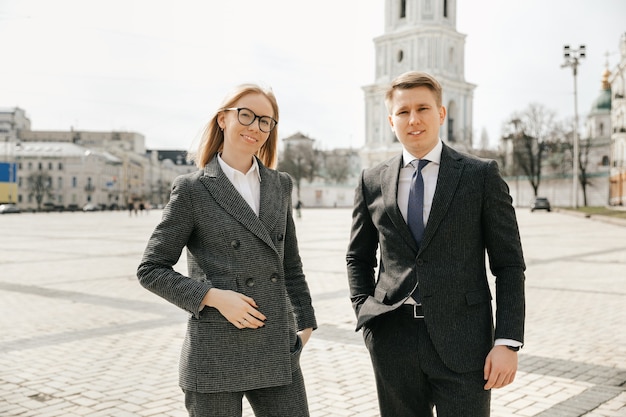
<point x="559" y="191"/>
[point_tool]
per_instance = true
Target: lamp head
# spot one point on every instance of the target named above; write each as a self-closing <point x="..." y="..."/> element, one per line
<point x="566" y="51"/>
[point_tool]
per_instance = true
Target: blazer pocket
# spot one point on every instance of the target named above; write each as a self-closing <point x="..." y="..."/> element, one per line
<point x="477" y="297"/>
<point x="295" y="354"/>
<point x="212" y="314"/>
<point x="469" y="193"/>
<point x="223" y="282"/>
<point x="380" y="294"/>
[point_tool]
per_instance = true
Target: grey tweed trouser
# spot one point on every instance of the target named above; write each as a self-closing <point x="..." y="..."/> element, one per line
<point x="282" y="401"/>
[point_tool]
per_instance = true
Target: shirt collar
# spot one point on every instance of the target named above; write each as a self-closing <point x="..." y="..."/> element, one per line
<point x="433" y="156"/>
<point x="230" y="171"/>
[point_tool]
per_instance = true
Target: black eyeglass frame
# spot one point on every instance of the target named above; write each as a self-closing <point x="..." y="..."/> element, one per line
<point x="239" y="109"/>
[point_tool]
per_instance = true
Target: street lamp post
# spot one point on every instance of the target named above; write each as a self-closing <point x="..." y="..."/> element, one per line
<point x="572" y="58"/>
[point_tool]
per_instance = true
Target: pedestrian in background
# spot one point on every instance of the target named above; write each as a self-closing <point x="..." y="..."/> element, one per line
<point x="299" y="209"/>
<point x="249" y="305"/>
<point x="432" y="213"/>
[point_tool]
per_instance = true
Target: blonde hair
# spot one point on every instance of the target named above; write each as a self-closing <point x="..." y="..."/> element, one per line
<point x="212" y="139"/>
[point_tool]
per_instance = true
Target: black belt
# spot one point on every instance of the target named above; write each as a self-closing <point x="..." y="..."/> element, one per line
<point x="414" y="310"/>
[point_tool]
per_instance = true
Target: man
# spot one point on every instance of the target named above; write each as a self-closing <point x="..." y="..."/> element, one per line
<point x="427" y="319"/>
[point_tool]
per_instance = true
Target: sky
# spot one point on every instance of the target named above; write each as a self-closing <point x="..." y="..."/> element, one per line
<point x="161" y="68"/>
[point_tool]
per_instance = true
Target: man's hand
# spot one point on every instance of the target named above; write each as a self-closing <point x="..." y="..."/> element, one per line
<point x="500" y="367"/>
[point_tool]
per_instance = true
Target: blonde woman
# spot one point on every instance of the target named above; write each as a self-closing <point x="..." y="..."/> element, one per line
<point x="249" y="305"/>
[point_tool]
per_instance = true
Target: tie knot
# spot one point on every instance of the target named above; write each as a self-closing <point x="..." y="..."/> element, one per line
<point x="418" y="164"/>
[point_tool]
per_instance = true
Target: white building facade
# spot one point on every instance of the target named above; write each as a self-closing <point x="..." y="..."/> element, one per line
<point x="107" y="169"/>
<point x="617" y="175"/>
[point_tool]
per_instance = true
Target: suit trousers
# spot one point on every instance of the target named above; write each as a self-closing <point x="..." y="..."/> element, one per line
<point x="410" y="376"/>
<point x="282" y="401"/>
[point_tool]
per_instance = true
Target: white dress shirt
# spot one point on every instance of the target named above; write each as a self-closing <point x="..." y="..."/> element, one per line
<point x="248" y="184"/>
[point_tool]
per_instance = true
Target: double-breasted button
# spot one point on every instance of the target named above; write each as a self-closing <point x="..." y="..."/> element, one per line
<point x="274" y="278"/>
<point x="235" y="244"/>
<point x="250" y="282"/>
<point x="280" y="237"/>
<point x="420" y="262"/>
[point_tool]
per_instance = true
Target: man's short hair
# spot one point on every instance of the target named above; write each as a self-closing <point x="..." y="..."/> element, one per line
<point x="414" y="79"/>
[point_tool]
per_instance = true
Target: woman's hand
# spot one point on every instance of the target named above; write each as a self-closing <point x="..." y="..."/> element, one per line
<point x="237" y="308"/>
<point x="305" y="335"/>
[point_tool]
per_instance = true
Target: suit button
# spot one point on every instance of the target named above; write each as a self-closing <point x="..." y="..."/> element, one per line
<point x="280" y="237"/>
<point x="250" y="282"/>
<point x="274" y="278"/>
<point x="420" y="262"/>
<point x="235" y="244"/>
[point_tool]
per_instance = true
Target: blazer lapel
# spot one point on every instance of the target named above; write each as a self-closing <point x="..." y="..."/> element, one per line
<point x="271" y="197"/>
<point x="389" y="188"/>
<point x="228" y="198"/>
<point x="450" y="170"/>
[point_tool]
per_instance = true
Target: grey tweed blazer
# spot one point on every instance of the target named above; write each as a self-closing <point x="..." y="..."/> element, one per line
<point x="229" y="247"/>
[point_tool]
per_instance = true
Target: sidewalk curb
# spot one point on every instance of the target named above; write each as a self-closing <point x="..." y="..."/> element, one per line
<point x="594" y="217"/>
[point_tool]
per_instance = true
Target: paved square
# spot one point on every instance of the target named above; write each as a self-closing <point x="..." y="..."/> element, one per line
<point x="80" y="337"/>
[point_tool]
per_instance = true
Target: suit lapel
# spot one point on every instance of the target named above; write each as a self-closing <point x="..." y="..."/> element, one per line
<point x="228" y="198"/>
<point x="450" y="170"/>
<point x="389" y="188"/>
<point x="271" y="198"/>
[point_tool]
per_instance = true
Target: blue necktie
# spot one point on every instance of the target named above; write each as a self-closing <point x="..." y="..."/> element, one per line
<point x="415" y="211"/>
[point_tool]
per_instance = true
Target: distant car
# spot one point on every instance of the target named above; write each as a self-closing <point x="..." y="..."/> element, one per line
<point x="90" y="207"/>
<point x="9" y="208"/>
<point x="540" y="203"/>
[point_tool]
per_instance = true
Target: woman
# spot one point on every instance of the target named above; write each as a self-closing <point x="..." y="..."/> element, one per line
<point x="249" y="303"/>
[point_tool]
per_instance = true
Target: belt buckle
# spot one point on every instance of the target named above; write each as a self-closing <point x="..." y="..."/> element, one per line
<point x="417" y="314"/>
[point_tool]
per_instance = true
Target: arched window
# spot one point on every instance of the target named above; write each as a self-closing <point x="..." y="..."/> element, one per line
<point x="451" y="137"/>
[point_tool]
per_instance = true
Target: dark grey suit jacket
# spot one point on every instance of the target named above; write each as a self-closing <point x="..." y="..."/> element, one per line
<point x="229" y="247"/>
<point x="471" y="213"/>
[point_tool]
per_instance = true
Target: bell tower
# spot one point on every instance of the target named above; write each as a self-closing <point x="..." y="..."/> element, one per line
<point x="419" y="35"/>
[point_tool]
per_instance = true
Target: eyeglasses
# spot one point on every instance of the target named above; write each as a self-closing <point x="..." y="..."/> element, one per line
<point x="246" y="117"/>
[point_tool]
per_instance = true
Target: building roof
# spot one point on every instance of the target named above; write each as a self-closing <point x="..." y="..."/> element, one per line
<point x="178" y="157"/>
<point x="52" y="150"/>
<point x="9" y="109"/>
<point x="602" y="103"/>
<point x="298" y="136"/>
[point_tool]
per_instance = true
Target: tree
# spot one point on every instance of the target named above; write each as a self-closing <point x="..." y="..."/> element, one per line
<point x="39" y="186"/>
<point x="337" y="166"/>
<point x="300" y="160"/>
<point x="484" y="139"/>
<point x="535" y="135"/>
<point x="163" y="191"/>
<point x="583" y="156"/>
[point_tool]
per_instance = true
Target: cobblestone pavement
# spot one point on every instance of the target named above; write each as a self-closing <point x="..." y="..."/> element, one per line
<point x="80" y="337"/>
